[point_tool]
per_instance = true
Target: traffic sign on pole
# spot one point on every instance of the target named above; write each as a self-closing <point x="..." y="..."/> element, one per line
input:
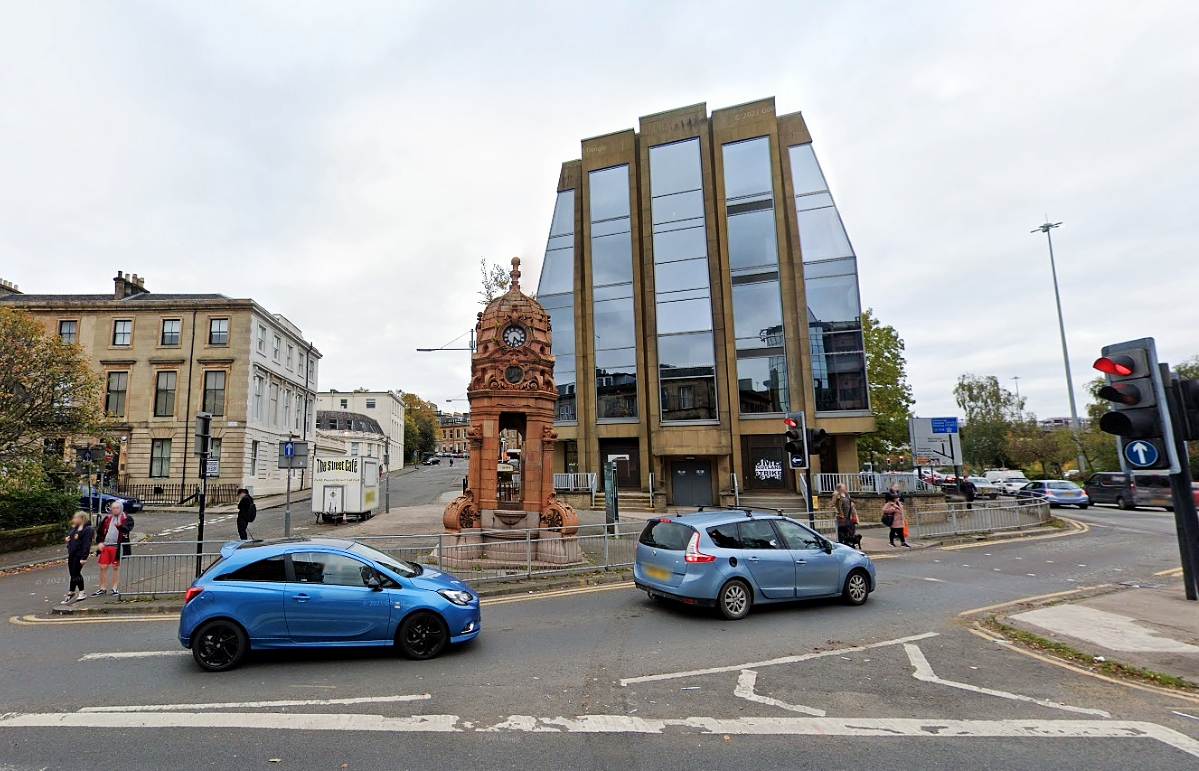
<point x="1141" y="453"/>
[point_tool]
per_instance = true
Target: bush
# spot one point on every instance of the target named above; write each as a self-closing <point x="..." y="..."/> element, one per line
<point x="36" y="507"/>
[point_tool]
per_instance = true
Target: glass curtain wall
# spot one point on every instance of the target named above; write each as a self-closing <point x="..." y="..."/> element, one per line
<point x="612" y="294"/>
<point x="754" y="263"/>
<point x="831" y="281"/>
<point x="686" y="354"/>
<point x="555" y="292"/>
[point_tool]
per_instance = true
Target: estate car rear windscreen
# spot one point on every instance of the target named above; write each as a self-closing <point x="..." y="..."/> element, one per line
<point x="663" y="534"/>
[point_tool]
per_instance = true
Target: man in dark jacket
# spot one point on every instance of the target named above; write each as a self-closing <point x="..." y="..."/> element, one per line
<point x="247" y="512"/>
<point x="969" y="490"/>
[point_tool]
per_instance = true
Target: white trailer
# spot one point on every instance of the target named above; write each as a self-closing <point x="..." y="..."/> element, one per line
<point x="345" y="488"/>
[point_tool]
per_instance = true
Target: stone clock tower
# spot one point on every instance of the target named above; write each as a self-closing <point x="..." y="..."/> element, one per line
<point x="512" y="387"/>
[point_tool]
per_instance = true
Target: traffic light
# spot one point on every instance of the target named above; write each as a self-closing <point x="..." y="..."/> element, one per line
<point x="203" y="433"/>
<point x="1139" y="416"/>
<point x="818" y="439"/>
<point x="1188" y="398"/>
<point x="794" y="438"/>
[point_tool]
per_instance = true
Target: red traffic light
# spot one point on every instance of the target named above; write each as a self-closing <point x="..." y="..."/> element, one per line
<point x="1121" y="366"/>
<point x="1121" y="393"/>
<point x="790" y="423"/>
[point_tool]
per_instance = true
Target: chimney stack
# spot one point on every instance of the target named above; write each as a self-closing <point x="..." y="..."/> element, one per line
<point x="8" y="287"/>
<point x="127" y="285"/>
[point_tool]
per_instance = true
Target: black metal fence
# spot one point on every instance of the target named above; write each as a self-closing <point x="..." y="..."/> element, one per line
<point x="179" y="494"/>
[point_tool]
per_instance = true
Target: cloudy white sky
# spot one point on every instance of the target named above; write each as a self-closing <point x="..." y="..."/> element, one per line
<point x="348" y="164"/>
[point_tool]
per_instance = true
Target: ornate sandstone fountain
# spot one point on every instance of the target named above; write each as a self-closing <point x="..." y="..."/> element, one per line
<point x="511" y="387"/>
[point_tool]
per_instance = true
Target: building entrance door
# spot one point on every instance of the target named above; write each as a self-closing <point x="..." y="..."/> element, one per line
<point x="626" y="454"/>
<point x="691" y="482"/>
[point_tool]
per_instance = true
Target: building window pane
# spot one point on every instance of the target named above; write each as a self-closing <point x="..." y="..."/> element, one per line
<point x="833" y="299"/>
<point x="608" y="193"/>
<point x="291" y="352"/>
<point x="261" y="339"/>
<point x="257" y="397"/>
<point x="678" y="206"/>
<point x="690" y="398"/>
<point x="172" y="330"/>
<point x="747" y="168"/>
<point x="122" y="332"/>
<point x="370" y="404"/>
<point x="68" y="331"/>
<point x="675" y="168"/>
<point x="114" y="398"/>
<point x="273" y="408"/>
<point x="612" y="259"/>
<point x="160" y="458"/>
<point x="214" y="393"/>
<point x="218" y="332"/>
<point x="555" y="291"/>
<point x="616" y="383"/>
<point x="354" y="448"/>
<point x="762" y="384"/>
<point x="821" y="235"/>
<point x="254" y="459"/>
<point x="684" y="355"/>
<point x="758" y="315"/>
<point x="286" y="409"/>
<point x="805" y="171"/>
<point x="684" y="316"/>
<point x="614" y="324"/>
<point x="681" y="244"/>
<point x="345" y="404"/>
<point x="752" y="240"/>
<point x="278" y="341"/>
<point x="840" y="381"/>
<point x="164" y="395"/>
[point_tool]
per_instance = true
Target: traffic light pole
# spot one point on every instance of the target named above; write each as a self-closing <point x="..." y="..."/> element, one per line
<point x="1185" y="519"/>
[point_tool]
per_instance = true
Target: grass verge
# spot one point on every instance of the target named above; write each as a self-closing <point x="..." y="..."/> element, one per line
<point x="1075" y="656"/>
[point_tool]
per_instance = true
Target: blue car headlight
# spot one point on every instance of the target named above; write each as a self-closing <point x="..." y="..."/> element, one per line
<point x="457" y="597"/>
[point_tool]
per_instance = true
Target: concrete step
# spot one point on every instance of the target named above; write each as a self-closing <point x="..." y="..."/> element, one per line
<point x="630" y="500"/>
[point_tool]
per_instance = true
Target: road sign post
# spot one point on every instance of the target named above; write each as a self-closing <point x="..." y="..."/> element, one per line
<point x="292" y="455"/>
<point x="203" y="447"/>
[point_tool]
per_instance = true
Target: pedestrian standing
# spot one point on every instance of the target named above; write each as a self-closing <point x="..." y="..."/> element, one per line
<point x="247" y="512"/>
<point x="969" y="490"/>
<point x="113" y="537"/>
<point x="79" y="546"/>
<point x="843" y="507"/>
<point x="893" y="517"/>
<point x="893" y="494"/>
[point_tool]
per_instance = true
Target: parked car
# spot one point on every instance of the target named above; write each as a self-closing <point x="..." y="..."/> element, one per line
<point x="1058" y="492"/>
<point x="321" y="593"/>
<point x="986" y="488"/>
<point x="1129" y="491"/>
<point x="735" y="559"/>
<point x="1009" y="485"/>
<point x="96" y="501"/>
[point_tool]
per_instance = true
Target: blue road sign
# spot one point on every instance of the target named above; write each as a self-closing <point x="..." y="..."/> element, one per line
<point x="1141" y="454"/>
<point x="289" y="449"/>
<point x="797" y="461"/>
<point x="945" y="425"/>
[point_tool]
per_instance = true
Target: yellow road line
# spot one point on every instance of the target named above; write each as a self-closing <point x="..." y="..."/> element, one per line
<point x="38" y="621"/>
<point x="991" y="637"/>
<point x="1034" y="598"/>
<point x="555" y="594"/>
<point x="1176" y="572"/>
<point x="1078" y="529"/>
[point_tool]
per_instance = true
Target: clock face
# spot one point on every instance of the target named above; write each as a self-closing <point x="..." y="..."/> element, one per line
<point x="514" y="375"/>
<point x="515" y="337"/>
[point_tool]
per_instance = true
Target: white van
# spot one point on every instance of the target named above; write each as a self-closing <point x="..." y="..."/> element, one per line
<point x="345" y="488"/>
<point x="997" y="475"/>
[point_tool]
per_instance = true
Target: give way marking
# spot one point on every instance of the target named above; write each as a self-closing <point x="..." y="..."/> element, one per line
<point x="259" y="704"/>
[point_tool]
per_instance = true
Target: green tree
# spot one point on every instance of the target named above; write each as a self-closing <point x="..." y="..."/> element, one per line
<point x="890" y="395"/>
<point x="420" y="426"/>
<point x="1028" y="444"/>
<point x="1098" y="448"/>
<point x="495" y="280"/>
<point x="1189" y="370"/>
<point x="992" y="412"/>
<point x="48" y="393"/>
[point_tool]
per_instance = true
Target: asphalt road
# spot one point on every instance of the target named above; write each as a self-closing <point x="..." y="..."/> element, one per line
<point x="605" y="679"/>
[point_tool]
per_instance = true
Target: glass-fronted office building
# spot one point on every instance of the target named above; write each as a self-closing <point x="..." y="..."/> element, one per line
<point x="701" y="285"/>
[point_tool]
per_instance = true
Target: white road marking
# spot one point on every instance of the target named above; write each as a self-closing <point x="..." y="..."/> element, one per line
<point x="1109" y="630"/>
<point x="133" y="655"/>
<point x="258" y="704"/>
<point x="772" y="662"/>
<point x="1079" y="528"/>
<point x="935" y="580"/>
<point x="889" y="728"/>
<point x="553" y="594"/>
<point x="745" y="690"/>
<point x="924" y="673"/>
<point x="1177" y="572"/>
<point x="1034" y="598"/>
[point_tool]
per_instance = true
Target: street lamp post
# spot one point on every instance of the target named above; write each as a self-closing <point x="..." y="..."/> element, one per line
<point x="1061" y="324"/>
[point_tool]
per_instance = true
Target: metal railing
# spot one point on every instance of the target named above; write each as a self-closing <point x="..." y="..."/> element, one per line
<point x="574" y="483"/>
<point x="869" y="483"/>
<point x="949" y="519"/>
<point x="175" y="494"/>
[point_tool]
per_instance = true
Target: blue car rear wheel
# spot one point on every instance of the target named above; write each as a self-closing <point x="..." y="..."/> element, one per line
<point x="735" y="599"/>
<point x="220" y="645"/>
<point x="423" y="635"/>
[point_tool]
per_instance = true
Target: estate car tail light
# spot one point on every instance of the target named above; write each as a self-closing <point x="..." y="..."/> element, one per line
<point x="693" y="555"/>
<point x="192" y="594"/>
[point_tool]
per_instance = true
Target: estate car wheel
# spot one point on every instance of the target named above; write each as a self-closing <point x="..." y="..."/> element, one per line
<point x="220" y="645"/>
<point x="734" y="600"/>
<point x="857" y="588"/>
<point x="423" y="635"/>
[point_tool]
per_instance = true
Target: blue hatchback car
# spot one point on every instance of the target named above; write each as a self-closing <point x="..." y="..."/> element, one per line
<point x="732" y="559"/>
<point x="321" y="593"/>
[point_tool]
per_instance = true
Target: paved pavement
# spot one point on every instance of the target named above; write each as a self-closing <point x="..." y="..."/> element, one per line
<point x="602" y="678"/>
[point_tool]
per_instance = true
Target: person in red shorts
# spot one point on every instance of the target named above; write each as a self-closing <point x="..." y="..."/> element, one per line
<point x="111" y="538"/>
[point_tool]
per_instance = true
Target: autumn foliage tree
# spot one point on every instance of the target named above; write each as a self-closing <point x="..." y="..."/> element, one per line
<point x="420" y="426"/>
<point x="890" y="394"/>
<point x="48" y="393"/>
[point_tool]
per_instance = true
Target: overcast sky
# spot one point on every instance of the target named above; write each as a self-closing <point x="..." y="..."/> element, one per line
<point x="348" y="164"/>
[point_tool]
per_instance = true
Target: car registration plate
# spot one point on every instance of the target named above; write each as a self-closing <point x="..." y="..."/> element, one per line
<point x="657" y="573"/>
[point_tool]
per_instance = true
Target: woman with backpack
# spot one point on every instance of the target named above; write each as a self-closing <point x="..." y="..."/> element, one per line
<point x="893" y="517"/>
<point x="247" y="512"/>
